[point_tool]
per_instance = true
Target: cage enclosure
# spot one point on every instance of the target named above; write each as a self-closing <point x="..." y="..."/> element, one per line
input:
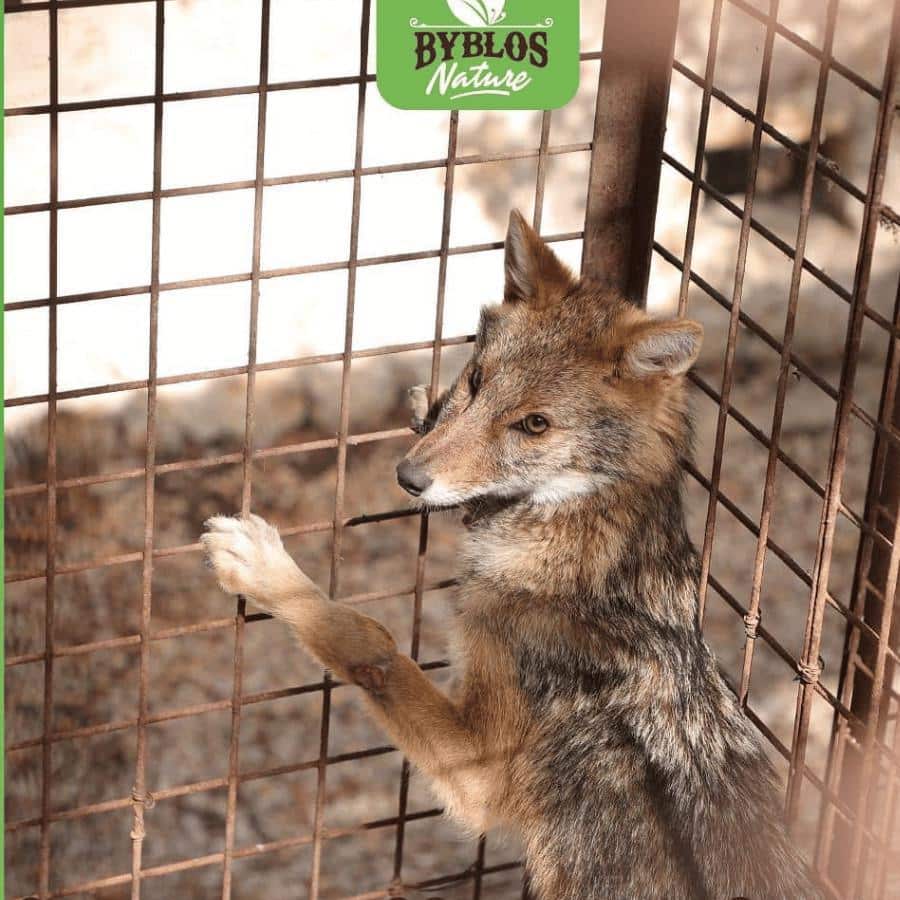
<point x="227" y="259"/>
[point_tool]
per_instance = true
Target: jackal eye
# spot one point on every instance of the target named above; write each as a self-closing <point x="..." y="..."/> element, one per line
<point x="475" y="379"/>
<point x="534" y="424"/>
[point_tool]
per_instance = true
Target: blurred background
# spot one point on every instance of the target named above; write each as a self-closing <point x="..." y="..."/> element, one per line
<point x="206" y="244"/>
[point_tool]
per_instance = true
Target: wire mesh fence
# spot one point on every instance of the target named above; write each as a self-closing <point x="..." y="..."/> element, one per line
<point x="842" y="803"/>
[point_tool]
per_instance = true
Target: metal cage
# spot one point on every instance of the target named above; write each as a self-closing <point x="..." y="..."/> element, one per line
<point x="858" y="795"/>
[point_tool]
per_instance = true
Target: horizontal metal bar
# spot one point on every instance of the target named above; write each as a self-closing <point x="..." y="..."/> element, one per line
<point x="12" y="7"/>
<point x="271" y="273"/>
<point x="178" y="96"/>
<point x="848" y="512"/>
<point x="162" y="553"/>
<point x="209" y="94"/>
<point x="209" y="462"/>
<point x="260" y="849"/>
<point x="814" y="51"/>
<point x="197" y="787"/>
<point x="166" y="634"/>
<point x="782" y="245"/>
<point x="213" y="374"/>
<point x="889" y="433"/>
<point x="305" y="178"/>
<point x="772" y="545"/>
<point x="171" y="715"/>
<point x="824" y="166"/>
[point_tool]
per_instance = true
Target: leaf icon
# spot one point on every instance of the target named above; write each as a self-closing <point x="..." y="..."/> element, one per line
<point x="496" y="12"/>
<point x="470" y="12"/>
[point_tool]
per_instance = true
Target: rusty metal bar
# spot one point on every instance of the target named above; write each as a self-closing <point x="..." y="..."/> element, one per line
<point x="736" y="298"/>
<point x="790" y="252"/>
<point x="840" y="438"/>
<point x="629" y="125"/>
<point x="712" y="55"/>
<point x="338" y="531"/>
<point x="824" y="167"/>
<point x="403" y="799"/>
<point x="888" y="433"/>
<point x="213" y="859"/>
<point x="873" y="588"/>
<point x="752" y="618"/>
<point x="187" y="712"/>
<point x="208" y="94"/>
<point x="478" y="868"/>
<point x="247" y="467"/>
<point x="434" y="388"/>
<point x="50" y="592"/>
<point x="303" y="178"/>
<point x="15" y="6"/>
<point x="541" y="179"/>
<point x="211" y="374"/>
<point x="139" y="794"/>
<point x="270" y="273"/>
<point x="207" y="462"/>
<point x="134" y="640"/>
<point x="159" y="553"/>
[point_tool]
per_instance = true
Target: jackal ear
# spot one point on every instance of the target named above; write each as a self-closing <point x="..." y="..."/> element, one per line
<point x="534" y="273"/>
<point x="663" y="348"/>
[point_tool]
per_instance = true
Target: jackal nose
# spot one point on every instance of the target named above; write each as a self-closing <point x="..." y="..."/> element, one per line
<point x="413" y="478"/>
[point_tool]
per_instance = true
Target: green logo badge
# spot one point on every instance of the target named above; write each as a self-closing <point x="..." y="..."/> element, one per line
<point x="478" y="54"/>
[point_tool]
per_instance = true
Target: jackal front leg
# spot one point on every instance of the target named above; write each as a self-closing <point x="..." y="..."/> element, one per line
<point x="248" y="558"/>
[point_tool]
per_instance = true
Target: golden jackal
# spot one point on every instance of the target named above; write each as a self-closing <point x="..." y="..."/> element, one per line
<point x="589" y="713"/>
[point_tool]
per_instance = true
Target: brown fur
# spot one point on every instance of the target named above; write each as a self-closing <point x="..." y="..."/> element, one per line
<point x="589" y="715"/>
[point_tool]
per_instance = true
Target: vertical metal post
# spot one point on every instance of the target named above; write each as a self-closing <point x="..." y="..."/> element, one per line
<point x="809" y="668"/>
<point x="626" y="159"/>
<point x="866" y="669"/>
<point x="141" y="797"/>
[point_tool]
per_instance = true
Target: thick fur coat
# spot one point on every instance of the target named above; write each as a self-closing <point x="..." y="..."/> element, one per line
<point x="589" y="714"/>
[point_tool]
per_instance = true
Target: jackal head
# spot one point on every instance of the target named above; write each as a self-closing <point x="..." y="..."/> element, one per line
<point x="570" y="389"/>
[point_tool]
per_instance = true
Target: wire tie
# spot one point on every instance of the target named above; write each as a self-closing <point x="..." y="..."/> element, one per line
<point x="751" y="623"/>
<point x="143" y="802"/>
<point x="809" y="674"/>
<point x="147" y="800"/>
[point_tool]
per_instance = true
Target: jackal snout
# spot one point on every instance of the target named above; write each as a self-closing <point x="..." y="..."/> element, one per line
<point x="413" y="477"/>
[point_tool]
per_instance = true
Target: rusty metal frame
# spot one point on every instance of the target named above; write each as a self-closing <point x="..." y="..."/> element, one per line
<point x="143" y="795"/>
<point x="626" y="161"/>
<point x="866" y="693"/>
<point x="629" y="125"/>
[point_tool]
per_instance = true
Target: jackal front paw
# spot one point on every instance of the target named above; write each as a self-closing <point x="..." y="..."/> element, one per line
<point x="248" y="558"/>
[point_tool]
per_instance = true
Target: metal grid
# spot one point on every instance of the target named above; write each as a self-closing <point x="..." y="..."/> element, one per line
<point x="855" y="864"/>
<point x="866" y="700"/>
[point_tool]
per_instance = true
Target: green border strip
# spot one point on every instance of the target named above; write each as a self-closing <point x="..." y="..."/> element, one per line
<point x="2" y="481"/>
